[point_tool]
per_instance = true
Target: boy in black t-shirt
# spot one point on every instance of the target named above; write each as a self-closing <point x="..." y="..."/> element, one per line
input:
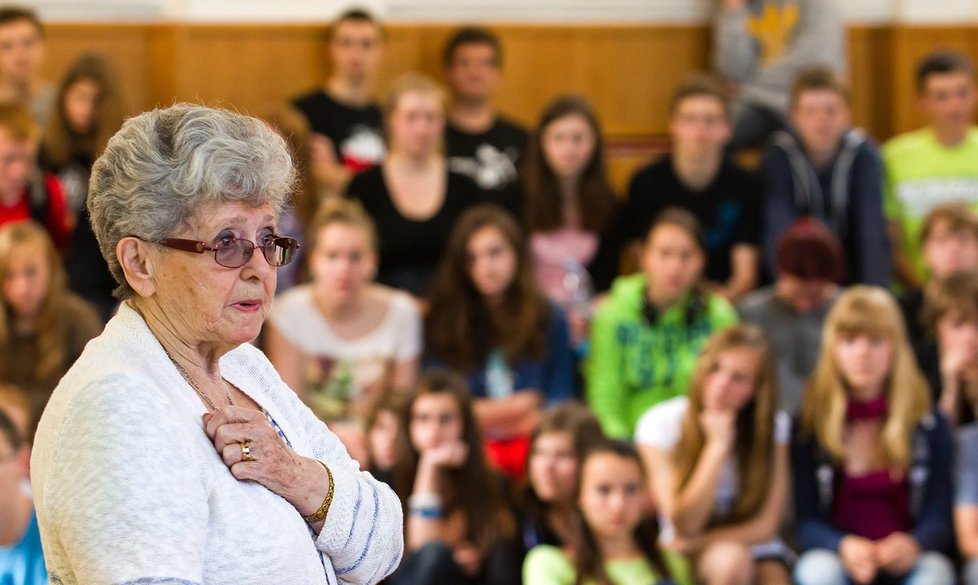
<point x="698" y="177"/>
<point x="478" y="141"/>
<point x="345" y="123"/>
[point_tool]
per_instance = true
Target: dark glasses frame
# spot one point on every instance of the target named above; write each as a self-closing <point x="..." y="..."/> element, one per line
<point x="278" y="251"/>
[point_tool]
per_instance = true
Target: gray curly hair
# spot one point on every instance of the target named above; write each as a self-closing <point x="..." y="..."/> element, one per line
<point x="164" y="165"/>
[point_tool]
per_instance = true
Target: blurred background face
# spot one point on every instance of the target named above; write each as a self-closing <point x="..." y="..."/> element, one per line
<point x="568" y="145"/>
<point x="731" y="382"/>
<point x="492" y="262"/>
<point x="948" y="99"/>
<point x="821" y="117"/>
<point x="81" y="106"/>
<point x="21" y="50"/>
<point x="13" y="470"/>
<point x="553" y="467"/>
<point x="435" y="420"/>
<point x="672" y="263"/>
<point x="343" y="261"/>
<point x="803" y="295"/>
<point x="948" y="251"/>
<point x="25" y="285"/>
<point x="474" y="72"/>
<point x="612" y="499"/>
<point x="416" y="124"/>
<point x="864" y="361"/>
<point x="958" y="330"/>
<point x="16" y="165"/>
<point x="382" y="440"/>
<point x="356" y="49"/>
<point x="699" y="127"/>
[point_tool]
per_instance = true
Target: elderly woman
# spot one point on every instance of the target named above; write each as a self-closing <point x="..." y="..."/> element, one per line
<point x="172" y="452"/>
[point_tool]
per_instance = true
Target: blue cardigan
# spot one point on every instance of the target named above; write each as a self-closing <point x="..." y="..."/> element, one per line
<point x="930" y="475"/>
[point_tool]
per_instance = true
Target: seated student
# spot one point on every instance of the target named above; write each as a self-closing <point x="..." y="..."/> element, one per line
<point x="548" y="512"/>
<point x="21" y="63"/>
<point x="615" y="540"/>
<point x="699" y="177"/>
<point x="790" y="312"/>
<point x="949" y="355"/>
<point x="718" y="460"/>
<point x="488" y="321"/>
<point x="825" y="169"/>
<point x="341" y="340"/>
<point x="347" y="132"/>
<point x="21" y="558"/>
<point x="872" y="463"/>
<point x="413" y="198"/>
<point x="88" y="111"/>
<point x="382" y="426"/>
<point x="569" y="208"/>
<point x="645" y="337"/>
<point x="25" y="191"/>
<point x="479" y="142"/>
<point x="966" y="500"/>
<point x="936" y="164"/>
<point x="948" y="245"/>
<point x="43" y="326"/>
<point x="459" y="527"/>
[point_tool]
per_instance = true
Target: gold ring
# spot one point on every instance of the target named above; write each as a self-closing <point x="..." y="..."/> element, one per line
<point x="245" y="450"/>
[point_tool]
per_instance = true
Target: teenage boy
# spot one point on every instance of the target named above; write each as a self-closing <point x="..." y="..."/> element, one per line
<point x="824" y="169"/>
<point x="21" y="57"/>
<point x="935" y="164"/>
<point x="346" y="124"/>
<point x="697" y="176"/>
<point x="479" y="142"/>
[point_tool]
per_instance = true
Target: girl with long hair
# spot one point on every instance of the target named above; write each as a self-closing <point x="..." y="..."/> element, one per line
<point x="719" y="462"/>
<point x="872" y="461"/>
<point x="412" y="196"/>
<point x="488" y="321"/>
<point x="615" y="540"/>
<point x="459" y="526"/>
<point x="43" y="326"/>
<point x="557" y="444"/>
<point x="341" y="341"/>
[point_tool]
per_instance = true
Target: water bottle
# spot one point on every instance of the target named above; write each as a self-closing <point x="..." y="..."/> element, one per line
<point x="578" y="293"/>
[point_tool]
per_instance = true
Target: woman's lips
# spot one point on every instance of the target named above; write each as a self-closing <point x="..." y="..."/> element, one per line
<point x="248" y="306"/>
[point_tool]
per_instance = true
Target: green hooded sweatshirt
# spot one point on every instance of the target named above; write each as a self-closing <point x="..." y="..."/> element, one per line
<point x="635" y="365"/>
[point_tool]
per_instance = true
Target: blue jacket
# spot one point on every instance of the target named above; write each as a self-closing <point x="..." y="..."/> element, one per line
<point x="930" y="475"/>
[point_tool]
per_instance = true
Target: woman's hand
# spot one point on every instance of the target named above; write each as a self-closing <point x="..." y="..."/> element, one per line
<point x="897" y="553"/>
<point x="450" y="454"/>
<point x="718" y="427"/>
<point x="858" y="557"/>
<point x="468" y="558"/>
<point x="235" y="430"/>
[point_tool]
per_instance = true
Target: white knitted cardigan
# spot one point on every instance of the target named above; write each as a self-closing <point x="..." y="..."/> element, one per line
<point x="129" y="489"/>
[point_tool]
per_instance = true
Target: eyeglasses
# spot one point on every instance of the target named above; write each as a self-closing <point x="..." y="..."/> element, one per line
<point x="236" y="252"/>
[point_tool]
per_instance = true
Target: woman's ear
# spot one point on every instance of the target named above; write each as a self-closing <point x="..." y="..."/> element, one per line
<point x="133" y="256"/>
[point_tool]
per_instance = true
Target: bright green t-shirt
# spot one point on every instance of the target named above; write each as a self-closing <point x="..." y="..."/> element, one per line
<point x="920" y="174"/>
<point x="549" y="565"/>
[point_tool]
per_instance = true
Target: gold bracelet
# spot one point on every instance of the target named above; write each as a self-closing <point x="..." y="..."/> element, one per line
<point x="320" y="514"/>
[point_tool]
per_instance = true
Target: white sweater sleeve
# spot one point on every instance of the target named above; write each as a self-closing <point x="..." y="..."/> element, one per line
<point x="129" y="501"/>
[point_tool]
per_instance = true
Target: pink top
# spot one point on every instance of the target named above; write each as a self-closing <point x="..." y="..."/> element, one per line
<point x="552" y="249"/>
<point x="872" y="506"/>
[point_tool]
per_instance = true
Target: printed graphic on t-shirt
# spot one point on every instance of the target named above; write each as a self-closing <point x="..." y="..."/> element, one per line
<point x="919" y="196"/>
<point x="773" y="28"/>
<point x="491" y="168"/>
<point x="363" y="148"/>
<point x="338" y="390"/>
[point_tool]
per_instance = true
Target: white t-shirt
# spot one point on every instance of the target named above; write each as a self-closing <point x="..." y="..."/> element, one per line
<point x="661" y="427"/>
<point x="360" y="364"/>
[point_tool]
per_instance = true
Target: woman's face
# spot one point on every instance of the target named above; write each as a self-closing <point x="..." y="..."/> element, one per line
<point x="81" y="105"/>
<point x="731" y="383"/>
<point x="435" y="420"/>
<point x="864" y="362"/>
<point x="382" y="440"/>
<point x="612" y="498"/>
<point x="958" y="331"/>
<point x="492" y="262"/>
<point x="416" y="124"/>
<point x="672" y="262"/>
<point x="207" y="302"/>
<point x="568" y="146"/>
<point x="553" y="467"/>
<point x="343" y="261"/>
<point x="25" y="285"/>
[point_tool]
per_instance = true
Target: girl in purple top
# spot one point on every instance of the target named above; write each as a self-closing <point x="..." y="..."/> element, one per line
<point x="872" y="461"/>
